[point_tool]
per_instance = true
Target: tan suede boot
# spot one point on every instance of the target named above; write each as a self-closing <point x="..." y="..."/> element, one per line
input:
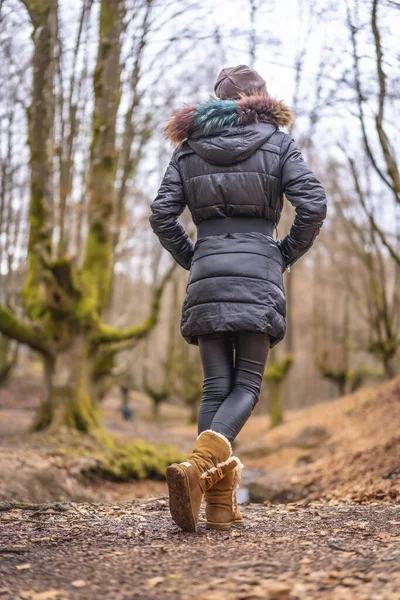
<point x="221" y="503"/>
<point x="188" y="481"/>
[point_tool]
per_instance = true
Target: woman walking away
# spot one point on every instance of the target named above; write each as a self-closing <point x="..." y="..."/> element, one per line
<point x="231" y="167"/>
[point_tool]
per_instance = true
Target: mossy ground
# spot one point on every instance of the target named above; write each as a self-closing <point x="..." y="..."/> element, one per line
<point x="114" y="458"/>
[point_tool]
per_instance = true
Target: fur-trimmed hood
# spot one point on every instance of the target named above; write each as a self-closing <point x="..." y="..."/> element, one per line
<point x="248" y="110"/>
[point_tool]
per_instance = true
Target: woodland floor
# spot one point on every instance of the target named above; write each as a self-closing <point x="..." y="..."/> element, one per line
<point x="133" y="550"/>
<point x="340" y="540"/>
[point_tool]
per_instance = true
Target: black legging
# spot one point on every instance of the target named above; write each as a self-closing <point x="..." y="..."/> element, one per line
<point x="231" y="388"/>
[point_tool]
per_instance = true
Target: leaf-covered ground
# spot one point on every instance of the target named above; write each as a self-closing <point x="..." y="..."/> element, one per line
<point x="133" y="550"/>
<point x="346" y="449"/>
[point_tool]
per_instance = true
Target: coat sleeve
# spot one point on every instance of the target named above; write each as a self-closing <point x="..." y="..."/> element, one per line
<point x="168" y="205"/>
<point x="307" y="195"/>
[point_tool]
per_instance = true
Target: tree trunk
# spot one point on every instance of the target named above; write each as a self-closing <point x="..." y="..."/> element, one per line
<point x="275" y="375"/>
<point x="67" y="399"/>
<point x="156" y="408"/>
<point x="194" y="410"/>
<point x="275" y="402"/>
<point x="64" y="304"/>
<point x="389" y="367"/>
<point x="8" y="358"/>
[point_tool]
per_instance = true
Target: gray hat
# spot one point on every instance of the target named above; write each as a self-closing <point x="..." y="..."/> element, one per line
<point x="233" y="80"/>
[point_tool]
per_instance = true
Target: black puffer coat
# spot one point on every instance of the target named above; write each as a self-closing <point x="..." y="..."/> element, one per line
<point x="233" y="161"/>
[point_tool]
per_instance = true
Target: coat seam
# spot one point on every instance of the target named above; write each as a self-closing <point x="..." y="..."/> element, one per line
<point x="265" y="304"/>
<point x="266" y="175"/>
<point x="235" y="252"/>
<point x="266" y="281"/>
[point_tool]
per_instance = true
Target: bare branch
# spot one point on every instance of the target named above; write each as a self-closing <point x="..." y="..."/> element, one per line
<point x="108" y="334"/>
<point x="16" y="329"/>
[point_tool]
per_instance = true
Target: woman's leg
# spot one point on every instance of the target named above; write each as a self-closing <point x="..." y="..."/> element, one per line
<point x="251" y="356"/>
<point x="216" y="353"/>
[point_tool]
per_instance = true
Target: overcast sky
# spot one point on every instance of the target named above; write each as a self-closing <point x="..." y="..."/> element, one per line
<point x="283" y="30"/>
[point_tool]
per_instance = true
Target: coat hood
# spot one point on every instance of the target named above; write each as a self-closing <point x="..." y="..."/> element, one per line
<point x="229" y="145"/>
<point x="227" y="131"/>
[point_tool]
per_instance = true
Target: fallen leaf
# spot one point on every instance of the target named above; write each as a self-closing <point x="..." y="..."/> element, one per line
<point x="50" y="595"/>
<point x="24" y="566"/>
<point x="153" y="581"/>
<point x="235" y="534"/>
<point x="78" y="583"/>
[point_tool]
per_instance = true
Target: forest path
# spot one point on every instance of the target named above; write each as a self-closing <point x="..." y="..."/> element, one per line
<point x="134" y="550"/>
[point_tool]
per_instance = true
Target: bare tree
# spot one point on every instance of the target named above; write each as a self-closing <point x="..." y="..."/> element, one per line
<point x="379" y="150"/>
<point x="64" y="303"/>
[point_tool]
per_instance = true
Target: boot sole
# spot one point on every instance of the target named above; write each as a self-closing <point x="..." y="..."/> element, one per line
<point x="223" y="526"/>
<point x="180" y="504"/>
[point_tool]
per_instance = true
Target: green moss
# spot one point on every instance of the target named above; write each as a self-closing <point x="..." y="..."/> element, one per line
<point x="384" y="348"/>
<point x="275" y="403"/>
<point x="276" y="370"/>
<point x="69" y="406"/>
<point x="108" y="17"/>
<point x="275" y="375"/>
<point x="66" y="276"/>
<point x="33" y="292"/>
<point x="78" y="413"/>
<point x="40" y="7"/>
<point x="118" y="460"/>
<point x="136" y="460"/>
<point x="97" y="268"/>
<point x="104" y="363"/>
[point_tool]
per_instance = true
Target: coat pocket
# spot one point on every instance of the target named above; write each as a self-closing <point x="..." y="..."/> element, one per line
<point x="283" y="263"/>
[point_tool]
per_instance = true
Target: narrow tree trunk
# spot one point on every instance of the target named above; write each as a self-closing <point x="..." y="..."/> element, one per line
<point x="275" y="375"/>
<point x="341" y="383"/>
<point x="194" y="411"/>
<point x="156" y="408"/>
<point x="388" y="367"/>
<point x="275" y="402"/>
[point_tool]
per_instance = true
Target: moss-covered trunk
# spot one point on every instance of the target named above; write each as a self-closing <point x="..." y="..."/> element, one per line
<point x="64" y="305"/>
<point x="275" y="402"/>
<point x="275" y="375"/>
<point x="8" y="358"/>
<point x="68" y="302"/>
<point x="67" y="398"/>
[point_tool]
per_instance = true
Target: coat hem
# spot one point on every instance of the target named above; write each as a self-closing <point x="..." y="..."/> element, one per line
<point x="192" y="339"/>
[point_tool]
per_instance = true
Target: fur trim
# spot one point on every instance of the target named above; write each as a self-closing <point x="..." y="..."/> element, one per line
<point x="221" y="435"/>
<point x="238" y="475"/>
<point x="178" y="126"/>
<point x="257" y="108"/>
<point x="239" y="466"/>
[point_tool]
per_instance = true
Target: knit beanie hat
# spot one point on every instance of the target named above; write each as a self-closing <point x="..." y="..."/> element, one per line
<point x="233" y="80"/>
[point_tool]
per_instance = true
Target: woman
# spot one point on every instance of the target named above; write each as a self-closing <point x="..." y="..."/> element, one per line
<point x="231" y="167"/>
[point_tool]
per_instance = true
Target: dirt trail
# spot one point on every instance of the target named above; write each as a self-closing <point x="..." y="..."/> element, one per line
<point x="133" y="550"/>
